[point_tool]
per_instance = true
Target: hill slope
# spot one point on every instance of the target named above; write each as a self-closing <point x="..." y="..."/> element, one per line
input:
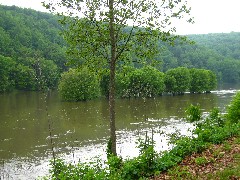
<point x="30" y="42"/>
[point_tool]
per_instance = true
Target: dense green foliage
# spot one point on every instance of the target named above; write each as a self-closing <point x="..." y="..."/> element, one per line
<point x="31" y="40"/>
<point x="193" y="113"/>
<point x="130" y="83"/>
<point x="216" y="52"/>
<point x="150" y="82"/>
<point x="27" y="74"/>
<point x="143" y="82"/>
<point x="36" y="74"/>
<point x="202" y="80"/>
<point x="182" y="79"/>
<point x="28" y="35"/>
<point x="177" y="80"/>
<point x="6" y="71"/>
<point x="233" y="112"/>
<point x="77" y="85"/>
<point x="214" y="129"/>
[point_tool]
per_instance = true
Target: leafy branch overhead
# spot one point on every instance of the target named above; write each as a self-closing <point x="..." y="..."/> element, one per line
<point x="137" y="26"/>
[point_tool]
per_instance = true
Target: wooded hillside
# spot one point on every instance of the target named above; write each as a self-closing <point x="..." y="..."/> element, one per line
<point x="32" y="51"/>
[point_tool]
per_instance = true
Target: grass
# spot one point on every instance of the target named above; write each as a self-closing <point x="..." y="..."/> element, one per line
<point x="220" y="161"/>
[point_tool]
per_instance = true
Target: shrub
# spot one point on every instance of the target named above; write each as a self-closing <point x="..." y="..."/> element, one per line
<point x="193" y="113"/>
<point x="36" y="74"/>
<point x="144" y="82"/>
<point x="202" y="80"/>
<point x="177" y="80"/>
<point x="78" y="85"/>
<point x="212" y="81"/>
<point x="233" y="111"/>
<point x="123" y="86"/>
<point x="25" y="78"/>
<point x="49" y="74"/>
<point x="199" y="80"/>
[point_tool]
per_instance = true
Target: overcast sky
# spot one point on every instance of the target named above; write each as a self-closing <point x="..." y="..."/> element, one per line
<point x="211" y="16"/>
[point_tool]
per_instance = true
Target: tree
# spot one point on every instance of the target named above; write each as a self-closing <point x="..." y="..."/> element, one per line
<point x="202" y="80"/>
<point x="144" y="82"/>
<point x="212" y="81"/>
<point x="7" y="65"/>
<point x="36" y="74"/>
<point x="177" y="80"/>
<point x="199" y="80"/>
<point x="98" y="33"/>
<point x="25" y="78"/>
<point x="78" y="85"/>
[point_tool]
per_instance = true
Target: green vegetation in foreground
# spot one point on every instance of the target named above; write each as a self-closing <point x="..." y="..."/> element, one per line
<point x="218" y="161"/>
<point x="215" y="129"/>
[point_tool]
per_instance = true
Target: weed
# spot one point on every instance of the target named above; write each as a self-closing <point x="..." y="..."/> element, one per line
<point x="212" y="160"/>
<point x="216" y="153"/>
<point x="180" y="173"/>
<point x="193" y="113"/>
<point x="201" y="161"/>
<point x="226" y="146"/>
<point x="232" y="172"/>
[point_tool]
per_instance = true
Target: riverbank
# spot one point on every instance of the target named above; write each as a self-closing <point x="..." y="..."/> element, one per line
<point x="205" y="157"/>
<point x="214" y="129"/>
<point x="218" y="161"/>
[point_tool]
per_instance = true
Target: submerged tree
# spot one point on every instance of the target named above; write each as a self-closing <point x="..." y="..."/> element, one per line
<point x="104" y="34"/>
<point x="177" y="80"/>
<point x="78" y="85"/>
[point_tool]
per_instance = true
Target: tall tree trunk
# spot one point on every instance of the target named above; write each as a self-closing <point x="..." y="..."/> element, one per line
<point x="112" y="80"/>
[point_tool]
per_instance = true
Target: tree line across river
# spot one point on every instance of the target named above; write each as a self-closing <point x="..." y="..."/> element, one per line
<point x="32" y="52"/>
<point x="78" y="85"/>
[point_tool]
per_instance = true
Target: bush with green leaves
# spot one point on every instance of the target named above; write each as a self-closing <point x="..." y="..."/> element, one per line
<point x="202" y="80"/>
<point x="46" y="73"/>
<point x="193" y="113"/>
<point x="123" y="86"/>
<point x="233" y="111"/>
<point x="79" y="85"/>
<point x="50" y="74"/>
<point x="25" y="78"/>
<point x="177" y="80"/>
<point x="147" y="82"/>
<point x="104" y="83"/>
<point x="144" y="82"/>
<point x="216" y="118"/>
<point x="81" y="171"/>
<point x="212" y="81"/>
<point x="36" y="74"/>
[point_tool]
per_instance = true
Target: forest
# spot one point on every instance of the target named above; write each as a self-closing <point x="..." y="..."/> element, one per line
<point x="33" y="52"/>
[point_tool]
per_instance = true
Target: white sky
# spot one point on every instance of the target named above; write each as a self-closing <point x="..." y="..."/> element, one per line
<point x="211" y="16"/>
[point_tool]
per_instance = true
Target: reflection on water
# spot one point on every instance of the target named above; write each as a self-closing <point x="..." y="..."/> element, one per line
<point x="81" y="129"/>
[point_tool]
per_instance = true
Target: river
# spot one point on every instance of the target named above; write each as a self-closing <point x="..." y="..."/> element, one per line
<point x="80" y="130"/>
